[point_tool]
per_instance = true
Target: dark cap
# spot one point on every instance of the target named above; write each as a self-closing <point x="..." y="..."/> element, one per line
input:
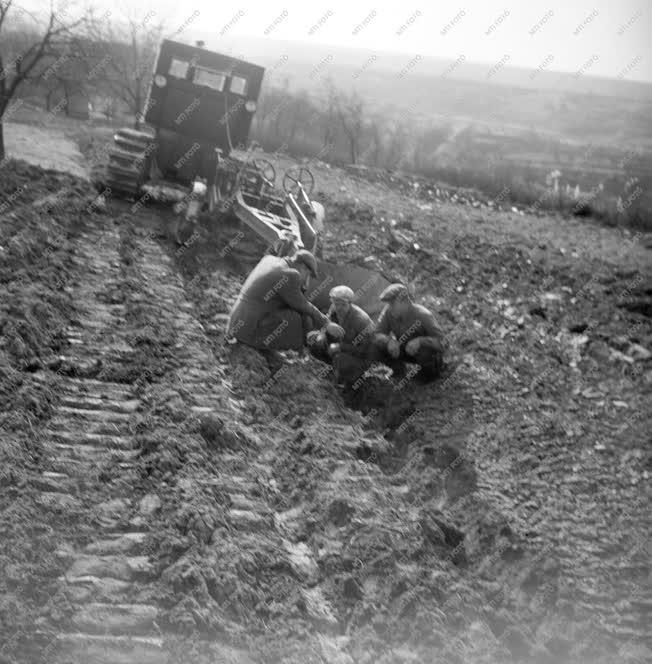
<point x="305" y="257"/>
<point x="393" y="292"/>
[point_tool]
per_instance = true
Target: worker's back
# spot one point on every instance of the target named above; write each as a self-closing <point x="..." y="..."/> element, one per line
<point x="266" y="280"/>
<point x="263" y="315"/>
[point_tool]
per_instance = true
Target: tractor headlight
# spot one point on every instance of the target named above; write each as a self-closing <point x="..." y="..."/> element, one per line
<point x="160" y="81"/>
<point x="250" y="105"/>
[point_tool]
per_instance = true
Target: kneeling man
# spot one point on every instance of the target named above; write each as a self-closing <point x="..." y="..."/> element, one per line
<point x="271" y="311"/>
<point x="345" y="341"/>
<point x="407" y="332"/>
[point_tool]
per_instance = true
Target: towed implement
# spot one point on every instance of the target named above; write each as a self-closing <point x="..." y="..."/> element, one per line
<point x="193" y="153"/>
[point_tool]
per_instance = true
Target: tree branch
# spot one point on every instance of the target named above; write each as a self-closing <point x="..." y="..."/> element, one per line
<point x="35" y="53"/>
<point x="5" y="6"/>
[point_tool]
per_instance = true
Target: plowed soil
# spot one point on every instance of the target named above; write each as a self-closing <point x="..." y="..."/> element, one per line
<point x="169" y="497"/>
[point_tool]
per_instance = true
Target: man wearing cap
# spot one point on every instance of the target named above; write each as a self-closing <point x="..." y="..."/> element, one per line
<point x="346" y="340"/>
<point x="407" y="332"/>
<point x="271" y="311"/>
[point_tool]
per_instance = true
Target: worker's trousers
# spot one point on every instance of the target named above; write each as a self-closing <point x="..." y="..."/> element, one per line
<point x="348" y="367"/>
<point x="429" y="357"/>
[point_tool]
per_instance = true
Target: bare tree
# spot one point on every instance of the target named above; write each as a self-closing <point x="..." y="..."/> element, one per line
<point x="374" y="151"/>
<point x="299" y="116"/>
<point x="130" y="45"/>
<point x="63" y="88"/>
<point x="350" y="111"/>
<point x="44" y="39"/>
<point x="64" y="77"/>
<point x="426" y="144"/>
<point x="397" y="145"/>
<point x="328" y="118"/>
<point x="272" y="106"/>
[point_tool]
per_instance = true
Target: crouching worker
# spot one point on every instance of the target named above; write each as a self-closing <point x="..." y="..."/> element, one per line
<point x="271" y="311"/>
<point x="346" y="339"/>
<point x="407" y="332"/>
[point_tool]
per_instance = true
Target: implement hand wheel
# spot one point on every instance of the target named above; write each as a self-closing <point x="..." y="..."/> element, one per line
<point x="265" y="168"/>
<point x="295" y="176"/>
<point x="255" y="172"/>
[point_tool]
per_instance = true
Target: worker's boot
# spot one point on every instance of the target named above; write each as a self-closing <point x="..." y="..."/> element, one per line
<point x="427" y="374"/>
<point x="349" y="370"/>
<point x="431" y="363"/>
<point x="274" y="358"/>
<point x="399" y="370"/>
<point x="175" y="227"/>
<point x="338" y="381"/>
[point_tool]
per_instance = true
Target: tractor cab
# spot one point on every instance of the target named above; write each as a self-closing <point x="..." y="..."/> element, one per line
<point x="200" y="102"/>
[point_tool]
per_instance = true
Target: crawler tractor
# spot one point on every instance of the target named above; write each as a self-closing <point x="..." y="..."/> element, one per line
<point x="193" y="152"/>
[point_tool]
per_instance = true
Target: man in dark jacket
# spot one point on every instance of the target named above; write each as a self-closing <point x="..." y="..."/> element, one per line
<point x="407" y="332"/>
<point x="271" y="311"/>
<point x="345" y="341"/>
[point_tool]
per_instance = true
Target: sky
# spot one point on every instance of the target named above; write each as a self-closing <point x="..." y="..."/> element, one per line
<point x="598" y="37"/>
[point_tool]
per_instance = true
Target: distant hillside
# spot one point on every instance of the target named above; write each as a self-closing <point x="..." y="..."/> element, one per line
<point x="431" y="89"/>
<point x="303" y="58"/>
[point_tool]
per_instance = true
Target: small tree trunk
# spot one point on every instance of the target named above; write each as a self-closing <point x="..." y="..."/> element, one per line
<point x="3" y="105"/>
<point x="137" y="107"/>
<point x="2" y="141"/>
<point x="292" y="133"/>
<point x="4" y="102"/>
<point x="66" y="99"/>
<point x="354" y="151"/>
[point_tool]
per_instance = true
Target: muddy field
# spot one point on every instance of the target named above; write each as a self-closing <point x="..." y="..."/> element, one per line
<point x="169" y="497"/>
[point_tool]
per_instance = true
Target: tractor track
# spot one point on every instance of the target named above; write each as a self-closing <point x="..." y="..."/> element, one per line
<point x="107" y="578"/>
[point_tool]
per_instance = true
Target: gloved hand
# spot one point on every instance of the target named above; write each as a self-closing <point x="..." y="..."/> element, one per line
<point x="333" y="349"/>
<point x="313" y="337"/>
<point x="412" y="347"/>
<point x="335" y="330"/>
<point x="393" y="348"/>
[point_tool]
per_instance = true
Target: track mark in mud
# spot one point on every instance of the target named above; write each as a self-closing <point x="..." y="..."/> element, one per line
<point x="110" y="614"/>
